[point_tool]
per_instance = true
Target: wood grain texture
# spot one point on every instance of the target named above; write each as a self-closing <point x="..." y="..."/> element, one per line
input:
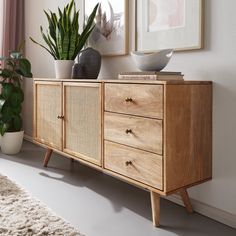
<point x="147" y="100"/>
<point x="138" y="132"/>
<point x="114" y="174"/>
<point x="82" y="123"/>
<point x="155" y="204"/>
<point x="139" y="165"/>
<point x="48" y="100"/>
<point x="186" y="200"/>
<point x="117" y="81"/>
<point x="188" y="135"/>
<point x="186" y="126"/>
<point x="47" y="157"/>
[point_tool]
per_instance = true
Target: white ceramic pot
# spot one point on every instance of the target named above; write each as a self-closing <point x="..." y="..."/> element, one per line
<point x="11" y="142"/>
<point x="63" y="68"/>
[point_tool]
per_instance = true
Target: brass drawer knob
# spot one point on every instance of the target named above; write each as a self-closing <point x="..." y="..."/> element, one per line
<point x="128" y="163"/>
<point x="128" y="131"/>
<point x="128" y="99"/>
<point x="60" y="117"/>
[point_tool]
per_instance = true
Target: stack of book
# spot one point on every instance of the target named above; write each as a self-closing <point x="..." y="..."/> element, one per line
<point x="151" y="75"/>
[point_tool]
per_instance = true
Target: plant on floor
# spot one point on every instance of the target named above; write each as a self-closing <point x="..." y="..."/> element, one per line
<point x="62" y="36"/>
<point x="15" y="68"/>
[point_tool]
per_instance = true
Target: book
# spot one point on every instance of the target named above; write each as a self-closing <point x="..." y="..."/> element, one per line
<point x="151" y="75"/>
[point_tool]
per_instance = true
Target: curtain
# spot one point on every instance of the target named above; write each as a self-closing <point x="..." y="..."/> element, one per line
<point x="11" y="26"/>
<point x="1" y="27"/>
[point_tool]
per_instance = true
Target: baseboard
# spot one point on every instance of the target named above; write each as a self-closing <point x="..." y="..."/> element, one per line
<point x="202" y="208"/>
<point x="208" y="211"/>
<point x="28" y="137"/>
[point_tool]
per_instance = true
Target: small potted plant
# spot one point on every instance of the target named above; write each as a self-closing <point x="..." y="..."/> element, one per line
<point x="62" y="38"/>
<point x="13" y="70"/>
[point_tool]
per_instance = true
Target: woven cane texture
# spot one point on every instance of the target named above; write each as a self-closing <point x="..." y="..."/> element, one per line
<point x="48" y="103"/>
<point x="82" y="127"/>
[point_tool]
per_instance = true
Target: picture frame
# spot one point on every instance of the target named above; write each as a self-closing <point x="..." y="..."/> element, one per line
<point x="110" y="35"/>
<point x="164" y="24"/>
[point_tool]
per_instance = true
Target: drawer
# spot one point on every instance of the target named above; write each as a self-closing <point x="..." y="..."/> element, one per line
<point x="138" y="132"/>
<point x="135" y="99"/>
<point x="139" y="165"/>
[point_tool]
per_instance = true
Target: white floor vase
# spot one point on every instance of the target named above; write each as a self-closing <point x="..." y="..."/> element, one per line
<point x="11" y="142"/>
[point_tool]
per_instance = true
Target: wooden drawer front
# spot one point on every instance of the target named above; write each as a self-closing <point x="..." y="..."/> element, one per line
<point x="139" y="165"/>
<point x="138" y="132"/>
<point x="135" y="99"/>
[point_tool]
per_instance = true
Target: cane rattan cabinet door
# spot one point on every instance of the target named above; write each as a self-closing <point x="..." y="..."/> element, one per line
<point x="82" y="123"/>
<point x="48" y="113"/>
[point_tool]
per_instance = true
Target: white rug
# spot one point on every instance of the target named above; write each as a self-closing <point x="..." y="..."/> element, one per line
<point x="22" y="215"/>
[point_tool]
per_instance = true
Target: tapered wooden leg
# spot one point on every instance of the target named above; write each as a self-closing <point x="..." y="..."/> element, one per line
<point x="47" y="157"/>
<point x="185" y="198"/>
<point x="155" y="202"/>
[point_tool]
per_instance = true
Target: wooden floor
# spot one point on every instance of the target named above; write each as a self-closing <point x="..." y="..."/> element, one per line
<point x="99" y="205"/>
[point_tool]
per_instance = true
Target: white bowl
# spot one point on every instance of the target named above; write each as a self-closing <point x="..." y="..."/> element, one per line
<point x="152" y="62"/>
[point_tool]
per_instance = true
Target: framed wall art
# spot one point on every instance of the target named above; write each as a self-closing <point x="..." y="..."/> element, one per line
<point x="162" y="24"/>
<point x="110" y="35"/>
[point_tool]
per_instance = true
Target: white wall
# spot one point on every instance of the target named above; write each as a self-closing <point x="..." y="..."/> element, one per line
<point x="42" y="62"/>
<point x="216" y="62"/>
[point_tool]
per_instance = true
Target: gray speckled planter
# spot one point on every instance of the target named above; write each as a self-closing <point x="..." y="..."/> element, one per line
<point x="88" y="65"/>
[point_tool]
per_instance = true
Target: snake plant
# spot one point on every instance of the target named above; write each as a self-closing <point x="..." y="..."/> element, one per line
<point x="62" y="36"/>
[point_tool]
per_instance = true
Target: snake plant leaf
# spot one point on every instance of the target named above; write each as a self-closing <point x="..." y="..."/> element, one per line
<point x="60" y="13"/>
<point x="71" y="5"/>
<point x="64" y="20"/>
<point x="51" y="26"/>
<point x="83" y="39"/>
<point x="62" y="38"/>
<point x="34" y="41"/>
<point x="73" y="43"/>
<point x="65" y="46"/>
<point x="90" y="21"/>
<point x="59" y="36"/>
<point x="54" y="20"/>
<point x="54" y="45"/>
<point x="75" y="22"/>
<point x="47" y="41"/>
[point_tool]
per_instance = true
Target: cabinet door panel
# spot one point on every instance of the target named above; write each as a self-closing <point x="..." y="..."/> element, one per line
<point x="82" y="126"/>
<point x="48" y="128"/>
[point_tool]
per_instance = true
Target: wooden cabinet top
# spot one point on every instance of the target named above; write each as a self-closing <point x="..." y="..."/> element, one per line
<point x="175" y="82"/>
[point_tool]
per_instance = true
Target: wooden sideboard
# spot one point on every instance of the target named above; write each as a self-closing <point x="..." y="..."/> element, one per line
<point x="154" y="134"/>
